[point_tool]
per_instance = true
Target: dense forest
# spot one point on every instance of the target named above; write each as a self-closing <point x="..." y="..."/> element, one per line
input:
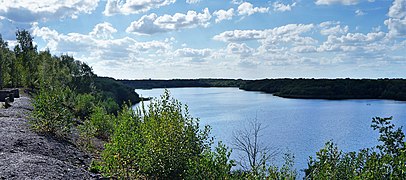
<point x="164" y="141"/>
<point x="331" y="88"/>
<point x="175" y="83"/>
<point x="295" y="88"/>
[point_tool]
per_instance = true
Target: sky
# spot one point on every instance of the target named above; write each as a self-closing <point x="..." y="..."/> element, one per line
<point x="248" y="39"/>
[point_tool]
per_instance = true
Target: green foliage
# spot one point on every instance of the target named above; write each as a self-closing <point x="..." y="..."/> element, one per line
<point x="387" y="163"/>
<point x="110" y="88"/>
<point x="164" y="142"/>
<point x="84" y="104"/>
<point x="286" y="172"/>
<point x="52" y="111"/>
<point x="103" y="123"/>
<point x="87" y="132"/>
<point x="110" y="106"/>
<point x="122" y="154"/>
<point x="211" y="164"/>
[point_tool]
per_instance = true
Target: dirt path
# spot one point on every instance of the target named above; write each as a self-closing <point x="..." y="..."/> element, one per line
<point x="26" y="155"/>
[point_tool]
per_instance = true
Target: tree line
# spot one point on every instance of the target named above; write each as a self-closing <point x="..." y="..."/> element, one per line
<point x="394" y="89"/>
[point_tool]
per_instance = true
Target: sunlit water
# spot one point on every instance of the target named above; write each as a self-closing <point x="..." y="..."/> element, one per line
<point x="300" y="126"/>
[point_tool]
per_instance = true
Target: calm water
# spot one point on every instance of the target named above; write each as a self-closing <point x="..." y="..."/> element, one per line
<point x="296" y="125"/>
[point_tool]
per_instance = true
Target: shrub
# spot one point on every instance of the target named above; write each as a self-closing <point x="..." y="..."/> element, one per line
<point x="84" y="104"/>
<point x="164" y="142"/>
<point x="52" y="111"/>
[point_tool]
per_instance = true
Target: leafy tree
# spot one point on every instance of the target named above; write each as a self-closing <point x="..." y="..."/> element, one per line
<point x="52" y="111"/>
<point x="26" y="53"/>
<point x="122" y="154"/>
<point x="163" y="142"/>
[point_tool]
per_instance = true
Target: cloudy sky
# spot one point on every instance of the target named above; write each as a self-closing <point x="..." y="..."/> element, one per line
<point x="249" y="39"/>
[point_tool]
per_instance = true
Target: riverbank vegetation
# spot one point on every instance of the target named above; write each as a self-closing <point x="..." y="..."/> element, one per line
<point x="164" y="141"/>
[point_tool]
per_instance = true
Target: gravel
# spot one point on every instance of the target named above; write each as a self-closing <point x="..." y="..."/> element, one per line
<point x="25" y="154"/>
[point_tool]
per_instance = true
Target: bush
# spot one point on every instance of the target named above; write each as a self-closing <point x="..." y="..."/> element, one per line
<point x="52" y="111"/>
<point x="84" y="104"/>
<point x="164" y="142"/>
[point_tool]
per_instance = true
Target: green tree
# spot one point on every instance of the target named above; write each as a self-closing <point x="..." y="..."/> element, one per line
<point x="53" y="111"/>
<point x="26" y="53"/>
<point x="163" y="142"/>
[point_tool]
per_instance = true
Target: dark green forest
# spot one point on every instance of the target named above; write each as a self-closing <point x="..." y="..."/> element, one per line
<point x="331" y="88"/>
<point x="164" y="141"/>
<point x="394" y="89"/>
<point x="175" y="83"/>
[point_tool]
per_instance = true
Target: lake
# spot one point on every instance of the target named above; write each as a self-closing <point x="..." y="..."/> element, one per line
<point x="300" y="126"/>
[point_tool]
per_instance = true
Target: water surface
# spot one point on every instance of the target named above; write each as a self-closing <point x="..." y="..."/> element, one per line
<point x="300" y="126"/>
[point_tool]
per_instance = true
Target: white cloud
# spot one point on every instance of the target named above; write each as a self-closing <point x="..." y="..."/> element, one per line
<point x="355" y="42"/>
<point x="247" y="9"/>
<point x="344" y="2"/>
<point x="359" y="12"/>
<point x="332" y="28"/>
<point x="284" y="33"/>
<point x="151" y="24"/>
<point x="278" y="6"/>
<point x="241" y="49"/>
<point x="31" y="10"/>
<point x="304" y="49"/>
<point x="193" y="1"/>
<point x="237" y="1"/>
<point x="397" y="19"/>
<point x="94" y="49"/>
<point x="103" y="31"/>
<point x="240" y="35"/>
<point x="133" y="6"/>
<point x="223" y="15"/>
<point x="194" y="53"/>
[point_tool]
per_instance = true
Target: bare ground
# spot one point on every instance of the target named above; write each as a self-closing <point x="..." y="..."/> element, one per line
<point x="25" y="154"/>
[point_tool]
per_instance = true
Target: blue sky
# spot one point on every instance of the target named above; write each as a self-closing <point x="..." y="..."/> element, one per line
<point x="164" y="39"/>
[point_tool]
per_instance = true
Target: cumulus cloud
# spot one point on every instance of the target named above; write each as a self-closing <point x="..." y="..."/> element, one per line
<point x="359" y="12"/>
<point x="31" y="11"/>
<point x="278" y="6"/>
<point x="192" y="1"/>
<point x="397" y="19"/>
<point x="241" y="49"/>
<point x="194" y="53"/>
<point x="332" y="28"/>
<point x="223" y="15"/>
<point x="151" y="24"/>
<point x="344" y="2"/>
<point x="103" y="31"/>
<point x="355" y="42"/>
<point x="282" y="33"/>
<point x="240" y="35"/>
<point x="237" y="1"/>
<point x="94" y="48"/>
<point x="133" y="6"/>
<point x="247" y="9"/>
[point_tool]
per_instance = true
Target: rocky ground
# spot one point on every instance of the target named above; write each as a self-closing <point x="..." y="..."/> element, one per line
<point x="25" y="154"/>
